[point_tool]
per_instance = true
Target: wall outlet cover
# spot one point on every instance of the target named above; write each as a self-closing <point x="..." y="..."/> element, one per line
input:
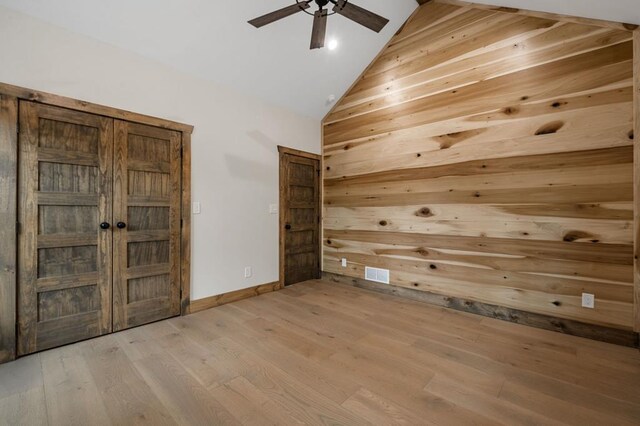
<point x="196" y="207"/>
<point x="248" y="272"/>
<point x="588" y="300"/>
<point x="344" y="262"/>
<point x="273" y="208"/>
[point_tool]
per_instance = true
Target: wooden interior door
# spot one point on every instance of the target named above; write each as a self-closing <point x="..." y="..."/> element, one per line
<point x="300" y="217"/>
<point x="64" y="272"/>
<point x="147" y="200"/>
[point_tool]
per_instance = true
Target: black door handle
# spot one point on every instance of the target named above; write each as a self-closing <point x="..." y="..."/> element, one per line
<point x="105" y="226"/>
<point x="121" y="225"/>
<point x="287" y="227"/>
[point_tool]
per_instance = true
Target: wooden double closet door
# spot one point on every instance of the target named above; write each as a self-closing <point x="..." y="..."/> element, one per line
<point x="99" y="225"/>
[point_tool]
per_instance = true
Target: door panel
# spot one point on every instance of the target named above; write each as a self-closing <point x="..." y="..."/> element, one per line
<point x="147" y="200"/>
<point x="301" y="210"/>
<point x="64" y="256"/>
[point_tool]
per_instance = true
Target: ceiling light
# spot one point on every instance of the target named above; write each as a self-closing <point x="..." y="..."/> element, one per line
<point x="333" y="44"/>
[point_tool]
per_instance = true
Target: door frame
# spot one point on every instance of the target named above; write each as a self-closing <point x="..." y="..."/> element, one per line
<point x="10" y="96"/>
<point x="282" y="150"/>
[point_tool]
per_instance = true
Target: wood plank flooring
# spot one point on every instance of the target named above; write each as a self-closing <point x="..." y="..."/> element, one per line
<point x="321" y="353"/>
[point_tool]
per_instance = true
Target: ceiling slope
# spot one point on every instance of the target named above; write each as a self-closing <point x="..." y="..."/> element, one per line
<point x="212" y="40"/>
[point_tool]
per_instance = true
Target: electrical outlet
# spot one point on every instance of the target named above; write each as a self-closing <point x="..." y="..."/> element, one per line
<point x="344" y="262"/>
<point x="588" y="300"/>
<point x="247" y="272"/>
<point x="196" y="207"/>
<point x="273" y="208"/>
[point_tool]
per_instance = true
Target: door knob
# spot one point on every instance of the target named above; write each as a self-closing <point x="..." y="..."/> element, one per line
<point x="105" y="225"/>
<point x="121" y="225"/>
<point x="287" y="227"/>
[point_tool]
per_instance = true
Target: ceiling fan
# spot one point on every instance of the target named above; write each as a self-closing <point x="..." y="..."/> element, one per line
<point x="343" y="7"/>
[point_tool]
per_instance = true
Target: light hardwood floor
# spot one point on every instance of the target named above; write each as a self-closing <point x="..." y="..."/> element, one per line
<point x="321" y="353"/>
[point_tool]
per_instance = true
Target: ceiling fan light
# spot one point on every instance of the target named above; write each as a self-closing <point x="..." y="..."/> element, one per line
<point x="333" y="44"/>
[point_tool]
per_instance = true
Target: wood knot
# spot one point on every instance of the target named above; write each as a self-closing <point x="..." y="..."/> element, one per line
<point x="329" y="242"/>
<point x="418" y="155"/>
<point x="446" y="145"/>
<point x="511" y="110"/>
<point x="557" y="104"/>
<point x="383" y="223"/>
<point x="524" y="98"/>
<point x="432" y="266"/>
<point x="476" y="194"/>
<point x="631" y="135"/>
<point x="347" y="147"/>
<point x="572" y="236"/>
<point x="424" y="212"/>
<point x="550" y="128"/>
<point x="328" y="168"/>
<point x="557" y="303"/>
<point x="422" y="252"/>
<point x="450" y="139"/>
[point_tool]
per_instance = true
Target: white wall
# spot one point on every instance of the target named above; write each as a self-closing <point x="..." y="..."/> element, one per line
<point x="235" y="160"/>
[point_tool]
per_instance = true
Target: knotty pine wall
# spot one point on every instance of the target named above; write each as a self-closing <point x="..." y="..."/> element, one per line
<point x="488" y="156"/>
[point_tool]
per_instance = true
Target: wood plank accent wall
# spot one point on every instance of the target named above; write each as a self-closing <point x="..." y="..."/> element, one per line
<point x="488" y="155"/>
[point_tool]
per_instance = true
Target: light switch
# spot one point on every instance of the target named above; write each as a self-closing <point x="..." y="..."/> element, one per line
<point x="344" y="262"/>
<point x="196" y="207"/>
<point x="273" y="208"/>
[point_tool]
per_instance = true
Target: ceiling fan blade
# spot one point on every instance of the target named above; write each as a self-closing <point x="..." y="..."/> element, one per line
<point x="319" y="29"/>
<point x="279" y="14"/>
<point x="361" y="16"/>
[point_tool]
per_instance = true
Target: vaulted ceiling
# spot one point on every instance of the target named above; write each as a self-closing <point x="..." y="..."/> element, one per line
<point x="212" y="40"/>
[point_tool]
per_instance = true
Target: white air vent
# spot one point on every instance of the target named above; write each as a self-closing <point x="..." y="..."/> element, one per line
<point x="377" y="275"/>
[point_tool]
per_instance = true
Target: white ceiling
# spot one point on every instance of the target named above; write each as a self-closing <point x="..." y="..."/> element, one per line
<point x="211" y="39"/>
